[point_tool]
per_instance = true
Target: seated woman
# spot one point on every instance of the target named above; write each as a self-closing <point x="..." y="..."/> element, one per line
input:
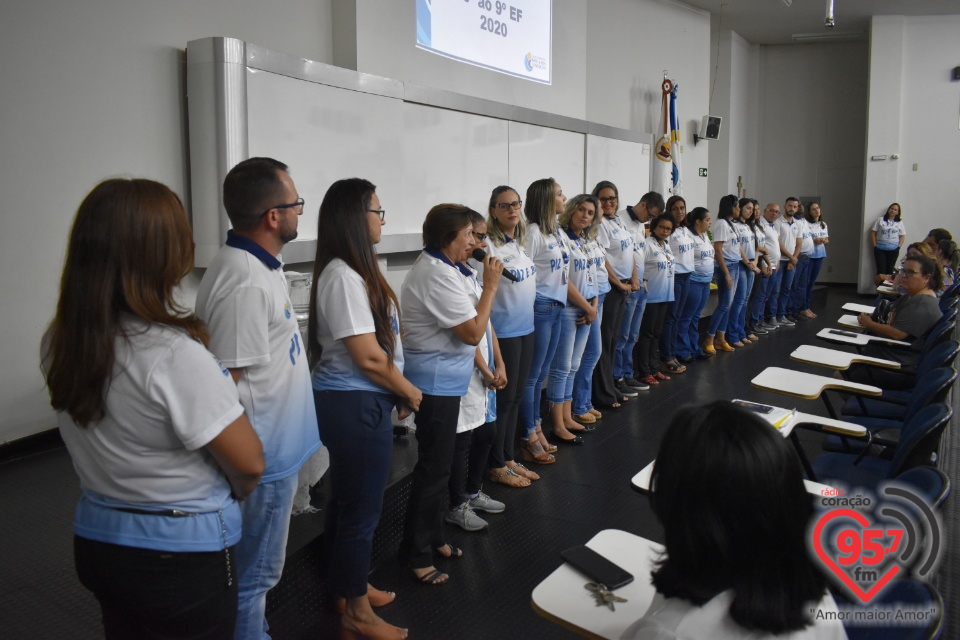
<point x="152" y="422"/>
<point x="949" y="258"/>
<point x="726" y="572"/>
<point x="911" y="317"/>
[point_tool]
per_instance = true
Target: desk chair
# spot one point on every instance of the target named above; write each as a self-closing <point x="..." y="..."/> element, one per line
<point x="908" y="591"/>
<point x="942" y="355"/>
<point x="890" y="419"/>
<point x="913" y="450"/>
<point x="930" y="482"/>
<point x="932" y="386"/>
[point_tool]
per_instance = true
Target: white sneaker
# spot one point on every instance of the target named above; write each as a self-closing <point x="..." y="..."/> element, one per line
<point x="483" y="502"/>
<point x="464" y="517"/>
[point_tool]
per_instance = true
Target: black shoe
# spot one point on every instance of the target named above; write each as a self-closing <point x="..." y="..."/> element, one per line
<point x="587" y="428"/>
<point x="576" y="440"/>
<point x="703" y="355"/>
<point x="757" y="330"/>
<point x="624" y="389"/>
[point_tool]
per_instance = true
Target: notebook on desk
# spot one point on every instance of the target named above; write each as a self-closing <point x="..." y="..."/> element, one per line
<point x="774" y="415"/>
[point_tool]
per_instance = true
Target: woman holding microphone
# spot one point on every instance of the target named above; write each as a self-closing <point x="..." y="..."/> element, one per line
<point x="578" y="221"/>
<point x="549" y="249"/>
<point x="357" y="368"/>
<point x="512" y="319"/>
<point x="442" y="327"/>
<point x="152" y="421"/>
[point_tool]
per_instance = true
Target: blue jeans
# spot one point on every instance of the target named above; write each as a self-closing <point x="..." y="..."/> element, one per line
<point x="671" y="326"/>
<point x="546" y="334"/>
<point x="261" y="553"/>
<point x="583" y="380"/>
<point x="355" y="426"/>
<point x="721" y="315"/>
<point x="629" y="330"/>
<point x="780" y="306"/>
<point x="566" y="361"/>
<point x="815" y="265"/>
<point x="800" y="283"/>
<point x="738" y="308"/>
<point x="764" y="289"/>
<point x="688" y="325"/>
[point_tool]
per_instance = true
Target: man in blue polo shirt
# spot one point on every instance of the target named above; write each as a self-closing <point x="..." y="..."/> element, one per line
<point x="243" y="299"/>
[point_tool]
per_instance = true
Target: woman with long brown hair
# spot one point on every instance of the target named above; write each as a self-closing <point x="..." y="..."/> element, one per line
<point x="152" y="422"/>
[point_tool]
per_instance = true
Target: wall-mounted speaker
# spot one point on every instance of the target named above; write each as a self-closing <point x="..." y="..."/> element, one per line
<point x="710" y="128"/>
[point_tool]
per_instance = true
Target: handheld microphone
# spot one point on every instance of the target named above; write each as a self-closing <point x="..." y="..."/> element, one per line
<point x="479" y="255"/>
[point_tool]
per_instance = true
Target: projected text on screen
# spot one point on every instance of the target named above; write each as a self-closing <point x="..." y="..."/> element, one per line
<point x="509" y="36"/>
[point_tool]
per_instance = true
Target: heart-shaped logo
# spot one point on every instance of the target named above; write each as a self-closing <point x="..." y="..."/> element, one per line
<point x="855" y="589"/>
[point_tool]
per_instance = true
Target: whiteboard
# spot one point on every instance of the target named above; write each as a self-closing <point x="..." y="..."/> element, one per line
<point x="541" y="152"/>
<point x="625" y="164"/>
<point x="447" y="156"/>
<point x="325" y="134"/>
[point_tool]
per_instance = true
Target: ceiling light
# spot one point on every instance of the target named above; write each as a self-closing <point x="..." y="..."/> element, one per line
<point x="832" y="36"/>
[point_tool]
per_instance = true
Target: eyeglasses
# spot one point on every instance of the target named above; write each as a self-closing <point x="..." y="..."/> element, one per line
<point x="480" y="236"/>
<point x="666" y="228"/>
<point x="298" y="203"/>
<point x="507" y="206"/>
<point x="908" y="272"/>
<point x="380" y="212"/>
<point x="609" y="199"/>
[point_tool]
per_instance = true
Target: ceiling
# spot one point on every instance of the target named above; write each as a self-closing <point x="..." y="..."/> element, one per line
<point x="772" y="22"/>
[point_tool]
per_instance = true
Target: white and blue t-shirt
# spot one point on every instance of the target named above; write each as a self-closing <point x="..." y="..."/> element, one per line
<point x="726" y="232"/>
<point x="658" y="271"/>
<point x="551" y="257"/>
<point x="806" y="238"/>
<point x="512" y="313"/>
<point x="771" y="242"/>
<point x="746" y="239"/>
<point x="819" y="230"/>
<point x="433" y="300"/>
<point x="343" y="310"/>
<point x="681" y="244"/>
<point x="168" y="399"/>
<point x="583" y="273"/>
<point x="597" y="256"/>
<point x="789" y="231"/>
<point x="621" y="246"/>
<point x="889" y="233"/>
<point x="703" y="258"/>
<point x="638" y="230"/>
<point x="243" y="299"/>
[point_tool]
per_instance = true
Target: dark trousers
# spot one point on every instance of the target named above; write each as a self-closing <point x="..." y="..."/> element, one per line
<point x="886" y="259"/>
<point x="517" y="354"/>
<point x="604" y="391"/>
<point x="436" y="438"/>
<point x="355" y="426"/>
<point x="151" y="594"/>
<point x="470" y="455"/>
<point x="647" y="358"/>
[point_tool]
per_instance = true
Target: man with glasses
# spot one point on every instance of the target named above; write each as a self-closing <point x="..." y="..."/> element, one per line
<point x="243" y="299"/>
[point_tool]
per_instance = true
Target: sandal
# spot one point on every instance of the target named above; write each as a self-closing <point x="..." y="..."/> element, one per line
<point x="549" y="448"/>
<point x="523" y="472"/>
<point x="510" y="478"/>
<point x="650" y="380"/>
<point x="433" y="578"/>
<point x="661" y="376"/>
<point x="585" y="418"/>
<point x="455" y="552"/>
<point x="533" y="452"/>
<point x="710" y="350"/>
<point x="596" y="414"/>
<point x="672" y="367"/>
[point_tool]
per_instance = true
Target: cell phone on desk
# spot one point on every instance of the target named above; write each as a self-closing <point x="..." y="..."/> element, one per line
<point x="753" y="406"/>
<point x="846" y="333"/>
<point x="596" y="567"/>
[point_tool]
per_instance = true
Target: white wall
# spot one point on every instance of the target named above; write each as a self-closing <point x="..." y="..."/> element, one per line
<point x="735" y="99"/>
<point x="913" y="111"/>
<point x="630" y="44"/>
<point x="92" y="90"/>
<point x="811" y="136"/>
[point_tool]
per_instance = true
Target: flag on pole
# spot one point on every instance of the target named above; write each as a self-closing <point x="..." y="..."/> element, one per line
<point x="666" y="167"/>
